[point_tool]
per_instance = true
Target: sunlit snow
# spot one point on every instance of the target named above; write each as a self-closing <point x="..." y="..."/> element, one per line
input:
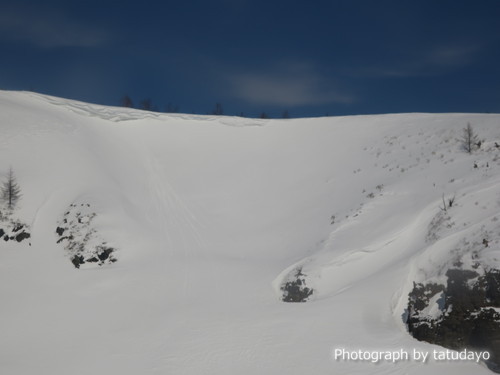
<point x="210" y="216"/>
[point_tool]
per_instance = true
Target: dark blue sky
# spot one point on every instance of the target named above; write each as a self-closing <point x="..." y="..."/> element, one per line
<point x="308" y="57"/>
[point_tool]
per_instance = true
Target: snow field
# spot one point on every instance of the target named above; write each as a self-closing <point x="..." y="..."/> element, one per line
<point x="210" y="215"/>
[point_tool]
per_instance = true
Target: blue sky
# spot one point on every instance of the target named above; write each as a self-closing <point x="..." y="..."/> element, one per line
<point x="310" y="58"/>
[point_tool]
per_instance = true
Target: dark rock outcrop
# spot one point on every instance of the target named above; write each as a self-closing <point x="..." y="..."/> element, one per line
<point x="105" y="253"/>
<point x="12" y="229"/>
<point x="469" y="313"/>
<point x="22" y="236"/>
<point x="81" y="240"/>
<point x="17" y="228"/>
<point x="296" y="289"/>
<point x="77" y="260"/>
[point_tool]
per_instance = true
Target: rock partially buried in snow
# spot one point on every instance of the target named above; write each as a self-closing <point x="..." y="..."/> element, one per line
<point x="81" y="240"/>
<point x="296" y="290"/>
<point x="12" y="229"/>
<point x="463" y="314"/>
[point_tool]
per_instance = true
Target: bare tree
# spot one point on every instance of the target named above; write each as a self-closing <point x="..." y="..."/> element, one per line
<point x="11" y="192"/>
<point x="449" y="205"/>
<point x="218" y="111"/>
<point x="126" y="102"/>
<point x="147" y="104"/>
<point x="469" y="138"/>
<point x="171" y="108"/>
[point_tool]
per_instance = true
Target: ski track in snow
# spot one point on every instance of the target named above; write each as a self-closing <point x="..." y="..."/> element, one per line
<point x="172" y="215"/>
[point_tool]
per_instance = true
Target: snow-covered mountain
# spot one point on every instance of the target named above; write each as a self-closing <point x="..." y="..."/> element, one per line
<point x="185" y="230"/>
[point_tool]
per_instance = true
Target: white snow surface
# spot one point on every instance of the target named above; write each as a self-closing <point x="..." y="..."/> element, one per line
<point x="211" y="214"/>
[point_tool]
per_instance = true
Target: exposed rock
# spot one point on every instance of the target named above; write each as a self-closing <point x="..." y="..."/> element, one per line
<point x="105" y="253"/>
<point x="17" y="228"/>
<point x="77" y="260"/>
<point x="81" y="240"/>
<point x="463" y="314"/>
<point x="296" y="290"/>
<point x="22" y="236"/>
<point x="13" y="229"/>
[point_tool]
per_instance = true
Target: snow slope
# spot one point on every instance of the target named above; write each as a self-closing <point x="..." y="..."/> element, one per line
<point x="210" y="215"/>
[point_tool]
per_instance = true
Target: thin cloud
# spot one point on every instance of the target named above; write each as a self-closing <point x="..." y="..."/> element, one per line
<point x="287" y="85"/>
<point x="430" y="62"/>
<point x="47" y="29"/>
<point x="451" y="56"/>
